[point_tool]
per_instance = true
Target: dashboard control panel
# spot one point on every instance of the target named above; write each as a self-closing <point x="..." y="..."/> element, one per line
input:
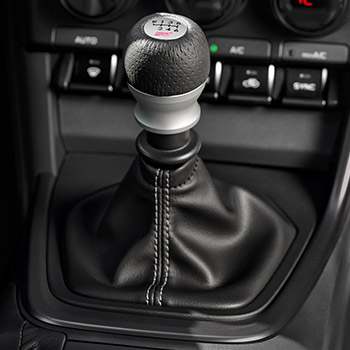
<point x="243" y="71"/>
<point x="256" y="58"/>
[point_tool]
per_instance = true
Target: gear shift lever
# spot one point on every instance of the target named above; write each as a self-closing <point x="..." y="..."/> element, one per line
<point x="167" y="63"/>
<point x="171" y="235"/>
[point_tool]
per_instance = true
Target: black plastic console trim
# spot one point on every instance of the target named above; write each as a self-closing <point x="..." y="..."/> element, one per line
<point x="43" y="305"/>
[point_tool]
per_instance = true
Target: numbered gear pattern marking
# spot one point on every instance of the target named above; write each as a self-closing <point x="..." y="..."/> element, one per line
<point x="167" y="67"/>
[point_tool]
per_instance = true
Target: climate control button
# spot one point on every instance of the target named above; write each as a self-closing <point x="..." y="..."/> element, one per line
<point x="305" y="83"/>
<point x="85" y="39"/>
<point x="239" y="48"/>
<point x="251" y="80"/>
<point x="315" y="53"/>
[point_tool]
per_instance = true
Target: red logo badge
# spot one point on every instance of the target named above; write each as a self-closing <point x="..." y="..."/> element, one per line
<point x="163" y="33"/>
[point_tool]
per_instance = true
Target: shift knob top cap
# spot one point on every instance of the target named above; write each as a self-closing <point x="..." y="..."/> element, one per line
<point x="166" y="55"/>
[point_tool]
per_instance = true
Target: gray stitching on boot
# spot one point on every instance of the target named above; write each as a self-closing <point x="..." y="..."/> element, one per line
<point x="167" y="236"/>
<point x="21" y="335"/>
<point x="156" y="238"/>
<point x="190" y="176"/>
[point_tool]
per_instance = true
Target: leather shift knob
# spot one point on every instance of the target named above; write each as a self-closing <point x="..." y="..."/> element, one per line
<point x="167" y="63"/>
<point x="166" y="55"/>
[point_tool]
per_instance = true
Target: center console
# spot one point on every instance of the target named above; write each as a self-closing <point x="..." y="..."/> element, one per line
<point x="275" y="136"/>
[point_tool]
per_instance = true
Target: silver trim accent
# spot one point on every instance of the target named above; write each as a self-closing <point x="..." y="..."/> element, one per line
<point x="217" y="78"/>
<point x="324" y="78"/>
<point x="113" y="71"/>
<point x="69" y="71"/>
<point x="271" y="81"/>
<point x="167" y="115"/>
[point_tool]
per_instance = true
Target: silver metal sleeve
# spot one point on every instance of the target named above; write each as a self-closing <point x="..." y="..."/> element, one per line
<point x="167" y="115"/>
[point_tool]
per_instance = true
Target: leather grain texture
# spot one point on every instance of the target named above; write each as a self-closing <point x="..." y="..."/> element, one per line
<point x="175" y="238"/>
<point x="18" y="334"/>
<point x="166" y="68"/>
<point x="31" y="337"/>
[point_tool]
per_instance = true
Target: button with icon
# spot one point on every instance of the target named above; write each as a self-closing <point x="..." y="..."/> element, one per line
<point x="93" y="72"/>
<point x="250" y="80"/>
<point x="305" y="83"/>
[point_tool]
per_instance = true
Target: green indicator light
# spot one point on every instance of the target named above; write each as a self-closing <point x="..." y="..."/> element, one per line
<point x="214" y="48"/>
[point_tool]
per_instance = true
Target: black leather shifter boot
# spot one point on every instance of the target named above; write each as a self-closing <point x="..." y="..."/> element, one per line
<point x="176" y="238"/>
<point x="171" y="235"/>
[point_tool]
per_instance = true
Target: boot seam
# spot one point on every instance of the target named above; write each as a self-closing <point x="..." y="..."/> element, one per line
<point x="21" y="334"/>
<point x="166" y="230"/>
<point x="156" y="252"/>
<point x="195" y="167"/>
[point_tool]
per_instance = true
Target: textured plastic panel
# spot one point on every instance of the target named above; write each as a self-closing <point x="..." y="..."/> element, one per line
<point x="249" y="135"/>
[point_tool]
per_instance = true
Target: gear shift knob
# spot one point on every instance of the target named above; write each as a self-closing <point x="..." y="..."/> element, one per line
<point x="167" y="62"/>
